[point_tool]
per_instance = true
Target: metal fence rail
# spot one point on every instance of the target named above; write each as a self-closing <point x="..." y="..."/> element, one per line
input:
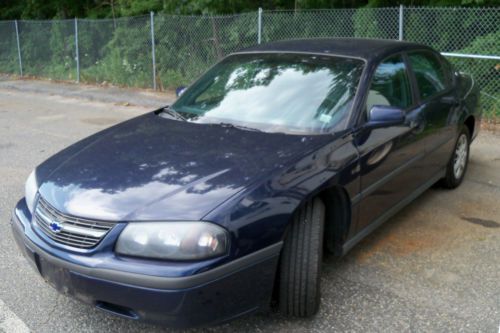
<point x="165" y="51"/>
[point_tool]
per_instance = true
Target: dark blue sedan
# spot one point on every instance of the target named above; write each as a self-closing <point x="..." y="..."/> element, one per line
<point x="208" y="209"/>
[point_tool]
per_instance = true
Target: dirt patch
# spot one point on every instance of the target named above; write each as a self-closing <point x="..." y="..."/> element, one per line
<point x="491" y="125"/>
<point x="403" y="237"/>
<point x="396" y="245"/>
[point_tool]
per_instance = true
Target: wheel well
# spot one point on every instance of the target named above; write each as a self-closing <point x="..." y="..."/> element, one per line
<point x="337" y="224"/>
<point x="337" y="218"/>
<point x="470" y="123"/>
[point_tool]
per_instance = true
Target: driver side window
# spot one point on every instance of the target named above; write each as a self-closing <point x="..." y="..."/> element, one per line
<point x="390" y="85"/>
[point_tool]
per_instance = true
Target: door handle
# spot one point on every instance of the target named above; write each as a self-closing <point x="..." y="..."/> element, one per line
<point x="416" y="126"/>
<point x="450" y="100"/>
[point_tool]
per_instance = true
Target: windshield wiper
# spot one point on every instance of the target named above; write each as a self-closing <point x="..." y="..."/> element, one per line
<point x="171" y="112"/>
<point x="240" y="127"/>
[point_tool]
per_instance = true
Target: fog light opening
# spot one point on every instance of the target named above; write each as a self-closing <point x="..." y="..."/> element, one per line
<point x="118" y="310"/>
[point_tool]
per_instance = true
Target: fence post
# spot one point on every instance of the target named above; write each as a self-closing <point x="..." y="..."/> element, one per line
<point x="153" y="48"/>
<point x="19" y="49"/>
<point x="77" y="52"/>
<point x="400" y="22"/>
<point x="259" y="26"/>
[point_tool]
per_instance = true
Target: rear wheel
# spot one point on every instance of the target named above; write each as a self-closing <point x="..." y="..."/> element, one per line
<point x="300" y="267"/>
<point x="455" y="170"/>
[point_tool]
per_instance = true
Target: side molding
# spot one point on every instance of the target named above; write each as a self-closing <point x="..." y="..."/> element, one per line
<point x="391" y="212"/>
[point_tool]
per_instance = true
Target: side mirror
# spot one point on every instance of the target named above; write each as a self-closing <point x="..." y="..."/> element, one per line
<point x="179" y="91"/>
<point x="385" y="116"/>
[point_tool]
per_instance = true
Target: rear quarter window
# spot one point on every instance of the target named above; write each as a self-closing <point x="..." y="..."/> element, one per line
<point x="430" y="74"/>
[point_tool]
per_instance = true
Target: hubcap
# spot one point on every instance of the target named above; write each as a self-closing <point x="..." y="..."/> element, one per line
<point x="460" y="158"/>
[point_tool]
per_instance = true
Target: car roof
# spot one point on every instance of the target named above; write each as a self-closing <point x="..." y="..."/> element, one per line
<point x="364" y="48"/>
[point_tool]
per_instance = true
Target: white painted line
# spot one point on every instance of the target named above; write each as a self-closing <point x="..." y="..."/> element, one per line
<point x="9" y="322"/>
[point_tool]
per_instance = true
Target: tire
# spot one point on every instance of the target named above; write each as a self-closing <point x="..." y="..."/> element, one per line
<point x="300" y="265"/>
<point x="457" y="166"/>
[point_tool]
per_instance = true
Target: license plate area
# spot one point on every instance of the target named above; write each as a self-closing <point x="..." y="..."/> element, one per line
<point x="57" y="277"/>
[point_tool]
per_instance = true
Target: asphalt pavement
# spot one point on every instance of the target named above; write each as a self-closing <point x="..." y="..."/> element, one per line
<point x="434" y="267"/>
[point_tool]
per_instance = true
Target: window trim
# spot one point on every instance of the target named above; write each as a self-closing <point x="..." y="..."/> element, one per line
<point x="352" y="117"/>
<point x="450" y="68"/>
<point x="362" y="105"/>
<point x="448" y="80"/>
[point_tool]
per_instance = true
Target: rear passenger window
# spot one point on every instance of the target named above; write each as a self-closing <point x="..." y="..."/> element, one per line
<point x="390" y="85"/>
<point x="429" y="73"/>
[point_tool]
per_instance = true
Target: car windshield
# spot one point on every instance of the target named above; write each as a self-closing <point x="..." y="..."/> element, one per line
<point x="275" y="92"/>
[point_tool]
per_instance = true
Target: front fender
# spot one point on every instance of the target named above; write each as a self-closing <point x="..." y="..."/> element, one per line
<point x="260" y="216"/>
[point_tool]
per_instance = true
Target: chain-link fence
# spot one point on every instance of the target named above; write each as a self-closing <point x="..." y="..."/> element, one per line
<point x="369" y="23"/>
<point x="116" y="51"/>
<point x="120" y="51"/>
<point x="187" y="45"/>
<point x="8" y="47"/>
<point x="470" y="38"/>
<point x="48" y="49"/>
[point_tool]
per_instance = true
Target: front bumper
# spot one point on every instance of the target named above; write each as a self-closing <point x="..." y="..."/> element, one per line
<point x="217" y="295"/>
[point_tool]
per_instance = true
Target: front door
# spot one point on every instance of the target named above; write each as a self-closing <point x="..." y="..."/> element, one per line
<point x="391" y="157"/>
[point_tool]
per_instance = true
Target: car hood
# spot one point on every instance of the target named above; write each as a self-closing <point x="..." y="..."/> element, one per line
<point x="152" y="168"/>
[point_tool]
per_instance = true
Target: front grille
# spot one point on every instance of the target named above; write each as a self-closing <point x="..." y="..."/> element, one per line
<point x="69" y="230"/>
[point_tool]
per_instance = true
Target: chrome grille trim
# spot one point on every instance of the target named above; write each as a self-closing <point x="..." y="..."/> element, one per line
<point x="73" y="231"/>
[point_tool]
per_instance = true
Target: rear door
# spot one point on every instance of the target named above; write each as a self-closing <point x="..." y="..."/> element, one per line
<point x="390" y="157"/>
<point x="439" y="104"/>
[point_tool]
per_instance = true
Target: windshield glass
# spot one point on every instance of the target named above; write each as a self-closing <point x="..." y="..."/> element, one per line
<point x="291" y="93"/>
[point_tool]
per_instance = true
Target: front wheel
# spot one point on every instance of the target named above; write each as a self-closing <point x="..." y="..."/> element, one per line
<point x="301" y="259"/>
<point x="455" y="170"/>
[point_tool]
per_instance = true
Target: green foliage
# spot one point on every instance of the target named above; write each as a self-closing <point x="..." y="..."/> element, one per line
<point x="366" y="24"/>
<point x="487" y="44"/>
<point x="47" y="9"/>
<point x="486" y="73"/>
<point x="47" y="49"/>
<point x="116" y="68"/>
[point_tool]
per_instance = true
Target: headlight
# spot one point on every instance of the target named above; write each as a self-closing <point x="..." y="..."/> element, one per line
<point x="30" y="189"/>
<point x="173" y="240"/>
